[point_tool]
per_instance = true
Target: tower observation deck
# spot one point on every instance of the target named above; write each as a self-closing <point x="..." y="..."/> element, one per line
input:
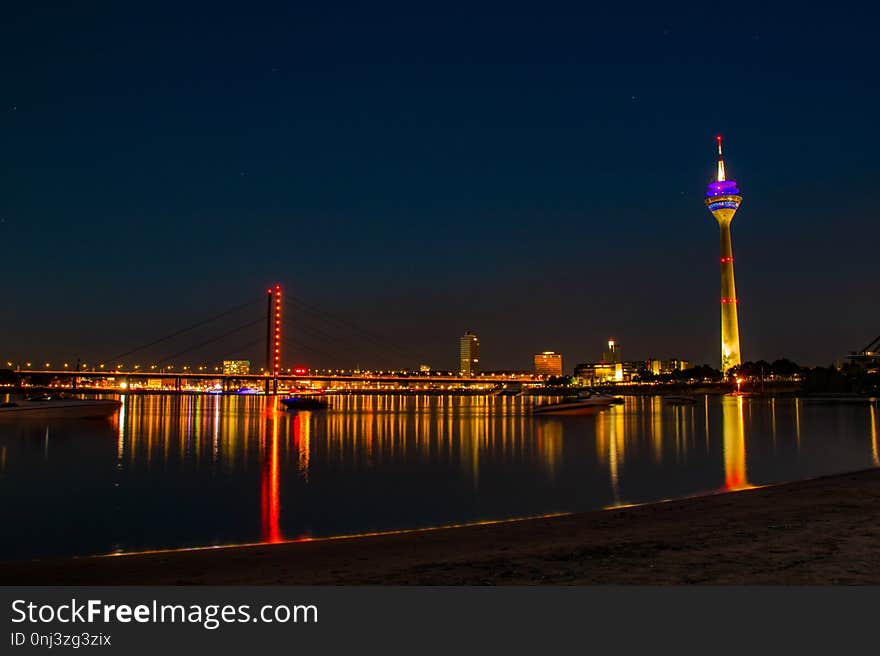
<point x="723" y="200"/>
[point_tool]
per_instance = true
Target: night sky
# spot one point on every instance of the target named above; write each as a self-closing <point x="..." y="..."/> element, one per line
<point x="533" y="173"/>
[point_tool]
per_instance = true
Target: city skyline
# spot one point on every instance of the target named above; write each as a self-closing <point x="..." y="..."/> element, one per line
<point x="543" y="192"/>
<point x="545" y="363"/>
<point x="275" y="342"/>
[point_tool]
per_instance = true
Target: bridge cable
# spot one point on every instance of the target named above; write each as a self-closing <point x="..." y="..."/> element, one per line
<point x="212" y="340"/>
<point x="871" y="346"/>
<point x="387" y="345"/>
<point x="185" y="330"/>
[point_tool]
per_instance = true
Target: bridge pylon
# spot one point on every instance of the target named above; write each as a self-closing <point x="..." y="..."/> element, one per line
<point x="273" y="335"/>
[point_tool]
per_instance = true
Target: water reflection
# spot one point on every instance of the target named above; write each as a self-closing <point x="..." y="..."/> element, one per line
<point x="873" y="420"/>
<point x="611" y="446"/>
<point x="181" y="470"/>
<point x="549" y="438"/>
<point x="734" y="444"/>
<point x="270" y="503"/>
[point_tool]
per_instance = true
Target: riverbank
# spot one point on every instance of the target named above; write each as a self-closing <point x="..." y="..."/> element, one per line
<point x="822" y="531"/>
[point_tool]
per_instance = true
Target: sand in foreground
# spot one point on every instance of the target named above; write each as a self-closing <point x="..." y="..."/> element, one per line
<point x="821" y="531"/>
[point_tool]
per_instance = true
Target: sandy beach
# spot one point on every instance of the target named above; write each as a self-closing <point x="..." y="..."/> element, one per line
<point x="822" y="531"/>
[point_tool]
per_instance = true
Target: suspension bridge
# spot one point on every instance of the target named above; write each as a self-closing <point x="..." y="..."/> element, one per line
<point x="191" y="357"/>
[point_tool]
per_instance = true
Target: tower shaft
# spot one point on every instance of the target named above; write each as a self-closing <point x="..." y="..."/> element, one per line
<point x="723" y="200"/>
<point x="730" y="353"/>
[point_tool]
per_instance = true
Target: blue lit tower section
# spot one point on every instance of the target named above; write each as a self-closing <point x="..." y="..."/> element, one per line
<point x="723" y="200"/>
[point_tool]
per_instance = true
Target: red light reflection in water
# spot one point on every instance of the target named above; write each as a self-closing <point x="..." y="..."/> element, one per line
<point x="270" y="503"/>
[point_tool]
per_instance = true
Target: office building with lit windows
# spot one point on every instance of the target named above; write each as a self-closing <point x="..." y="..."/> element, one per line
<point x="548" y="363"/>
<point x="656" y="367"/>
<point x="610" y="369"/>
<point x="469" y="354"/>
<point x="592" y="373"/>
<point x="236" y="367"/>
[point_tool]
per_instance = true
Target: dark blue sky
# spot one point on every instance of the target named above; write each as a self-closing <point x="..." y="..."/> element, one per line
<point x="534" y="173"/>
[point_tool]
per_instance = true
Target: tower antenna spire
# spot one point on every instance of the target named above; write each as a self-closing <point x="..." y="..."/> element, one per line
<point x="721" y="175"/>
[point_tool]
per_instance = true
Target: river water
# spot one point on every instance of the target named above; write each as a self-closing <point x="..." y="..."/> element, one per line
<point x="174" y="471"/>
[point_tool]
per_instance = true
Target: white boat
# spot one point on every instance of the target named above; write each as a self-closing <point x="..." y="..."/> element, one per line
<point x="586" y="405"/>
<point x="51" y="407"/>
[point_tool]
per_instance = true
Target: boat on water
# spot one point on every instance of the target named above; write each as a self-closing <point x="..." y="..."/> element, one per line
<point x="679" y="399"/>
<point x="507" y="392"/>
<point x="305" y="402"/>
<point x="582" y="405"/>
<point x="56" y="407"/>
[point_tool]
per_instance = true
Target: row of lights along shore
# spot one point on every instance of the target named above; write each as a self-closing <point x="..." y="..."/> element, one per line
<point x="298" y="371"/>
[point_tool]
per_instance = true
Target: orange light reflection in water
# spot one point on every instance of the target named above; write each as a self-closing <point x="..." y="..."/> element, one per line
<point x="372" y="432"/>
<point x="734" y="444"/>
<point x="874" y="455"/>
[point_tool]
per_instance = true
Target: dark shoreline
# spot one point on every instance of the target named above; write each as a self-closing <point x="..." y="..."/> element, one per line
<point x="820" y="531"/>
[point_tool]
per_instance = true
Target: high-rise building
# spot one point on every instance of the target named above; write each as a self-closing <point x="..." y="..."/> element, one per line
<point x="723" y="200"/>
<point x="613" y="352"/>
<point x="548" y="363"/>
<point x="236" y="367"/>
<point x="469" y="352"/>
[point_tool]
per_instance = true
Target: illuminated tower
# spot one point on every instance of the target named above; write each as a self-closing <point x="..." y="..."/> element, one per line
<point x="273" y="330"/>
<point x="723" y="200"/>
<point x="469" y="352"/>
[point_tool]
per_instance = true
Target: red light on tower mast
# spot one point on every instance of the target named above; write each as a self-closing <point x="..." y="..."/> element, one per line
<point x="273" y="337"/>
<point x="276" y="364"/>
